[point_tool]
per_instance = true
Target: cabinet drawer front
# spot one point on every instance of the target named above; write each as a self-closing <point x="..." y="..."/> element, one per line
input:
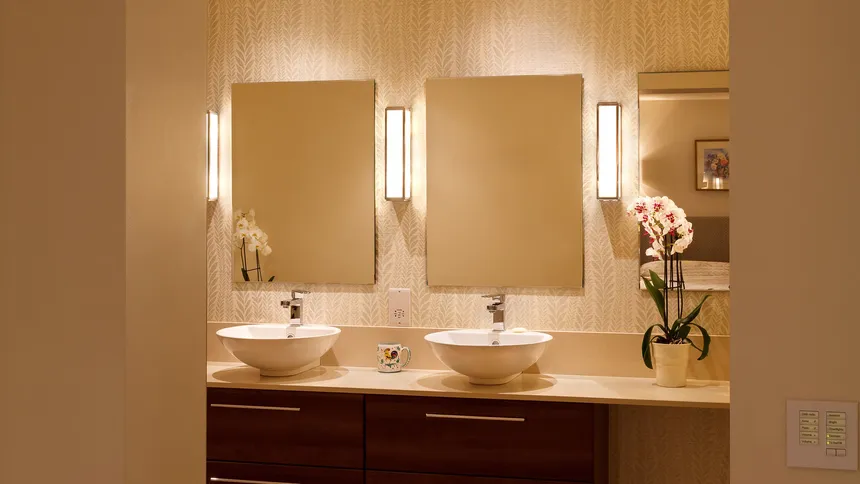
<point x="281" y="427"/>
<point x="377" y="477"/>
<point x="536" y="440"/>
<point x="236" y="473"/>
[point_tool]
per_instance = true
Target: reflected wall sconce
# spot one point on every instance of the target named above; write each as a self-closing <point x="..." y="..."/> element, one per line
<point x="608" y="151"/>
<point x="212" y="155"/>
<point x="398" y="154"/>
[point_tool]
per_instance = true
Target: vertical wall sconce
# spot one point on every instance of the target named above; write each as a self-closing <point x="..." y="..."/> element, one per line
<point x="212" y="154"/>
<point x="398" y="154"/>
<point x="608" y="151"/>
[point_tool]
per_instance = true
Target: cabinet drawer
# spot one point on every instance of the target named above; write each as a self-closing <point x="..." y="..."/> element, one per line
<point x="236" y="473"/>
<point x="377" y="477"/>
<point x="534" y="440"/>
<point x="282" y="427"/>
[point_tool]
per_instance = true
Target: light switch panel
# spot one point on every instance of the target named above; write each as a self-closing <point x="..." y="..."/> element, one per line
<point x="821" y="435"/>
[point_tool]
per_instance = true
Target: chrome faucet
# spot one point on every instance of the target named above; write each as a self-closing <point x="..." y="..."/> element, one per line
<point x="497" y="309"/>
<point x="295" y="303"/>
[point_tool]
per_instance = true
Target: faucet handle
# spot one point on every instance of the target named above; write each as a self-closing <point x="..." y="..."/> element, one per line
<point x="298" y="294"/>
<point x="497" y="298"/>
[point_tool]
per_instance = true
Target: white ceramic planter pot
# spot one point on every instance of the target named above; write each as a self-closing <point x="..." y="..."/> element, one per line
<point x="671" y="361"/>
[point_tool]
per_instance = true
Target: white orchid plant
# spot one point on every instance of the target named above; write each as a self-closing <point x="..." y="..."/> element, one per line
<point x="661" y="218"/>
<point x="248" y="236"/>
<point x="670" y="233"/>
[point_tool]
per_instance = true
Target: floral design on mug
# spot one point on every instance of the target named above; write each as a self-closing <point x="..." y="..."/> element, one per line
<point x="389" y="357"/>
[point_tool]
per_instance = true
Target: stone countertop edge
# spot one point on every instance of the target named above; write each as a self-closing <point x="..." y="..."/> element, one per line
<point x="436" y="383"/>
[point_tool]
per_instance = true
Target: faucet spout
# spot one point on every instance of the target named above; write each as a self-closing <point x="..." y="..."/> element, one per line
<point x="296" y="306"/>
<point x="497" y="309"/>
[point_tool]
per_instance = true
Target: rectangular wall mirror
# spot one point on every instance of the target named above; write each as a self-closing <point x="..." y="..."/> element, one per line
<point x="303" y="160"/>
<point x="504" y="181"/>
<point x="684" y="155"/>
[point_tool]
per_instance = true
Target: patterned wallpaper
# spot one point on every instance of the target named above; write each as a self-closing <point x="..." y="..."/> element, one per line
<point x="400" y="43"/>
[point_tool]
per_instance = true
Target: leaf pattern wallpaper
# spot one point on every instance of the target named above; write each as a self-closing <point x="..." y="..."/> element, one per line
<point x="400" y="44"/>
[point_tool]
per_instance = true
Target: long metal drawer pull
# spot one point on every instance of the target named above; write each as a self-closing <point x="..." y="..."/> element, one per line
<point x="255" y="407"/>
<point x="243" y="481"/>
<point x="475" y="417"/>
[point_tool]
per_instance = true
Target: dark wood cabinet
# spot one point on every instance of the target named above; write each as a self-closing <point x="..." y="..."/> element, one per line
<point x="282" y="427"/>
<point x="377" y="477"/>
<point x="456" y="436"/>
<point x="239" y="473"/>
<point x="294" y="437"/>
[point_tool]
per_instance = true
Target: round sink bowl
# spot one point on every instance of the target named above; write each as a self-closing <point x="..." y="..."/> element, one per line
<point x="277" y="349"/>
<point x="488" y="358"/>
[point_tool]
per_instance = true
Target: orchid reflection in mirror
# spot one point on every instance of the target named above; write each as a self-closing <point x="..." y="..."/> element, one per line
<point x="670" y="234"/>
<point x="249" y="237"/>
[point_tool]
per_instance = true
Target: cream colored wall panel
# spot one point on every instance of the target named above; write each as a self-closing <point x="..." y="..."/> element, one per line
<point x="165" y="266"/>
<point x="504" y="181"/>
<point x="62" y="193"/>
<point x="797" y="324"/>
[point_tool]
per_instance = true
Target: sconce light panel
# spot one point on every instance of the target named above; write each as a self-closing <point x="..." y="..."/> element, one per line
<point x="398" y="153"/>
<point x="212" y="142"/>
<point x="608" y="151"/>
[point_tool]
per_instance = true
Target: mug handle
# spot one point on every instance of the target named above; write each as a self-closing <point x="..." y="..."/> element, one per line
<point x="408" y="355"/>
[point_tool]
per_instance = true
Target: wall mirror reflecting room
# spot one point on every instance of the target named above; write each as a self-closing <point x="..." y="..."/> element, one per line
<point x="303" y="161"/>
<point x="684" y="155"/>
<point x="504" y="181"/>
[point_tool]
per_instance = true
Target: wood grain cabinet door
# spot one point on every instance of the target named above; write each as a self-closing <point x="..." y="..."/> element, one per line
<point x="237" y="473"/>
<point x="281" y="427"/>
<point x="475" y="437"/>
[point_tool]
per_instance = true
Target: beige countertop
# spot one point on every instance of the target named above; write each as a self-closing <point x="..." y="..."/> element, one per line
<point x="537" y="387"/>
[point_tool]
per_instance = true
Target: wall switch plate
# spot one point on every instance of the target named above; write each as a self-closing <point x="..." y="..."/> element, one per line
<point x="400" y="307"/>
<point x="821" y="435"/>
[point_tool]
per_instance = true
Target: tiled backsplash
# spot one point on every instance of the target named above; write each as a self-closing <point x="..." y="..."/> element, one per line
<point x="402" y="43"/>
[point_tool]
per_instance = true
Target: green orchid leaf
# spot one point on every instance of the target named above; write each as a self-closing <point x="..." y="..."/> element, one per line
<point x="688" y="340"/>
<point x="271" y="278"/>
<point x="684" y="331"/>
<point x="655" y="279"/>
<point x="657" y="296"/>
<point x="675" y="325"/>
<point x="695" y="312"/>
<point x="706" y="340"/>
<point x="646" y="346"/>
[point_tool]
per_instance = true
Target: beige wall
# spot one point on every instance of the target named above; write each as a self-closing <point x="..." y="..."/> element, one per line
<point x="92" y="272"/>
<point x="794" y="126"/>
<point x="667" y="134"/>
<point x="400" y="45"/>
<point x="62" y="241"/>
<point x="165" y="228"/>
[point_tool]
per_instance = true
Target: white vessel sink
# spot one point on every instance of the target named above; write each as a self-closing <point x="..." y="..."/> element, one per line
<point x="488" y="358"/>
<point x="277" y="349"/>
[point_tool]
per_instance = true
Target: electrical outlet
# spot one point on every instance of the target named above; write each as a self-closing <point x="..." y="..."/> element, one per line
<point x="399" y="307"/>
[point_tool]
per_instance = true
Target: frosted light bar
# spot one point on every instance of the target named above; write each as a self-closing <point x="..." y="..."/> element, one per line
<point x="212" y="155"/>
<point x="398" y="154"/>
<point x="608" y="151"/>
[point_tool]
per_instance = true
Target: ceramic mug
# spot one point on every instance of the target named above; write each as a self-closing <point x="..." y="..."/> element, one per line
<point x="389" y="357"/>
